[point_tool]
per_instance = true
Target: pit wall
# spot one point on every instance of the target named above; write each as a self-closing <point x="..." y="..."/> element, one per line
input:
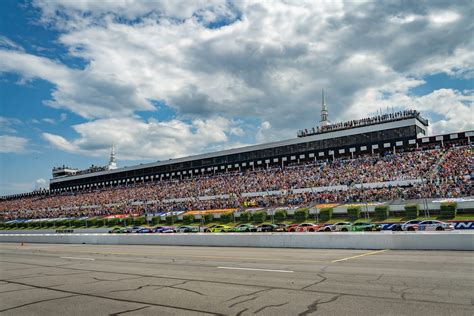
<point x="456" y="240"/>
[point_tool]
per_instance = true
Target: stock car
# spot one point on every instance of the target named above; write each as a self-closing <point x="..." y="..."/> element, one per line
<point x="325" y="228"/>
<point x="305" y="227"/>
<point x="145" y="230"/>
<point x="403" y="226"/>
<point x="133" y="229"/>
<point x="163" y="229"/>
<point x="266" y="228"/>
<point x="117" y="230"/>
<point x="430" y="225"/>
<point x="341" y="227"/>
<point x="281" y="228"/>
<point x="244" y="228"/>
<point x="365" y="226"/>
<point x="187" y="229"/>
<point x="218" y="229"/>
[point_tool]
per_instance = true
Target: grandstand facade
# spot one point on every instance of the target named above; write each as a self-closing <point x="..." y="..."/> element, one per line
<point x="394" y="132"/>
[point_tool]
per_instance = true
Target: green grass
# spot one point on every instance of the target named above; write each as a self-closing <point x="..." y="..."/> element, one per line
<point x="461" y="217"/>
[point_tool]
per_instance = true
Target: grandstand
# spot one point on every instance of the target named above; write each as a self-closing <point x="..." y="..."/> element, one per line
<point x="380" y="158"/>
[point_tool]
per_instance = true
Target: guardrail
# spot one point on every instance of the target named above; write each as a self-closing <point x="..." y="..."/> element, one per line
<point x="455" y="240"/>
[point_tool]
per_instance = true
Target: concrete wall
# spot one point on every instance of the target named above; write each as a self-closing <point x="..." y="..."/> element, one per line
<point x="54" y="231"/>
<point x="456" y="240"/>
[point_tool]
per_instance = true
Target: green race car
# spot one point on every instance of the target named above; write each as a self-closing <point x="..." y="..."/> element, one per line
<point x="244" y="228"/>
<point x="364" y="227"/>
<point x="219" y="229"/>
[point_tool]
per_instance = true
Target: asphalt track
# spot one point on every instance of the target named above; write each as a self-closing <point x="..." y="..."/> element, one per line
<point x="49" y="279"/>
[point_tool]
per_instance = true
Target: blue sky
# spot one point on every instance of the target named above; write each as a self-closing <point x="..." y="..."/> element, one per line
<point x="167" y="79"/>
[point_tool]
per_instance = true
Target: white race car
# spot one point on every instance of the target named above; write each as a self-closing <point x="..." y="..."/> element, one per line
<point x="430" y="225"/>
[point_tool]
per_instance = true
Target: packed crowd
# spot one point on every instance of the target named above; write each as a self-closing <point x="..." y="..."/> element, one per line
<point x="361" y="122"/>
<point x="445" y="173"/>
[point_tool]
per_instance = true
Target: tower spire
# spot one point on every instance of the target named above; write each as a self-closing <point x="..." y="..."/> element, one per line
<point x="112" y="161"/>
<point x="324" y="111"/>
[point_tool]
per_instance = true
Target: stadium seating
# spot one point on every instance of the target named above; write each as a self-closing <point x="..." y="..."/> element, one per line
<point x="406" y="175"/>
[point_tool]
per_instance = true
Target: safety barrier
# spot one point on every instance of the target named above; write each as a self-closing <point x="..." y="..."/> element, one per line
<point x="456" y="240"/>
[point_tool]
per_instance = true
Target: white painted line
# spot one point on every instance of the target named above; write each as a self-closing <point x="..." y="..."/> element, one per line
<point x="78" y="258"/>
<point x="251" y="269"/>
<point x="362" y="255"/>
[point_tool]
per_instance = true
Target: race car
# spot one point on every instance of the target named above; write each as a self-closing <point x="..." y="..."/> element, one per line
<point x="244" y="228"/>
<point x="404" y="226"/>
<point x="281" y="228"/>
<point x="305" y="227"/>
<point x="219" y="229"/>
<point x="163" y="229"/>
<point x="266" y="228"/>
<point x="144" y="230"/>
<point x="430" y="225"/>
<point x="325" y="228"/>
<point x="365" y="226"/>
<point x="133" y="229"/>
<point x="187" y="229"/>
<point x="341" y="227"/>
<point x="117" y="230"/>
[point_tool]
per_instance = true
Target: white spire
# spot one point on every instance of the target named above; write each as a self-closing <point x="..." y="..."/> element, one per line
<point x="324" y="112"/>
<point x="112" y="162"/>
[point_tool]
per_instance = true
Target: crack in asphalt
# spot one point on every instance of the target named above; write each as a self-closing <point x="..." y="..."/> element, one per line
<point x="66" y="275"/>
<point x="113" y="298"/>
<point x="107" y="280"/>
<point x="314" y="306"/>
<point x="268" y="306"/>
<point x="187" y="290"/>
<point x="401" y="292"/>
<point x="247" y="300"/>
<point x="157" y="287"/>
<point x="241" y="312"/>
<point x="323" y="278"/>
<point x="37" y="302"/>
<point x="243" y="284"/>
<point x="138" y="288"/>
<point x="17" y="290"/>
<point x="375" y="280"/>
<point x="27" y="276"/>
<point x="249" y="294"/>
<point x="128" y="311"/>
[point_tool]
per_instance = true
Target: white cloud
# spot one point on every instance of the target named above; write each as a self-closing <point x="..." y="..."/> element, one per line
<point x="41" y="184"/>
<point x="5" y="42"/>
<point x="13" y="144"/>
<point x="443" y="17"/>
<point x="137" y="139"/>
<point x="81" y="91"/>
<point x="456" y="108"/>
<point x="267" y="66"/>
<point x="49" y="121"/>
<point x="7" y="123"/>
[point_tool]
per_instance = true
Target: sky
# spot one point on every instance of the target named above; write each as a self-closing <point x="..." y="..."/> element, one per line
<point x="167" y="79"/>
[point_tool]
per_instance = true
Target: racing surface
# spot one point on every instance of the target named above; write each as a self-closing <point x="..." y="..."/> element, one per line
<point x="49" y="279"/>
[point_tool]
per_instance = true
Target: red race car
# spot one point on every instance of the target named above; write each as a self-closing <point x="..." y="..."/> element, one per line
<point x="305" y="227"/>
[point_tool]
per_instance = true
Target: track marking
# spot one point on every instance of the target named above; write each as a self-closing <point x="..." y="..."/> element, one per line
<point x="362" y="255"/>
<point x="171" y="255"/>
<point x="252" y="269"/>
<point x="78" y="258"/>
